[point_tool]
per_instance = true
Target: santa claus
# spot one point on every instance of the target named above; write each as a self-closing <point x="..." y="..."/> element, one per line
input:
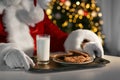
<point x="22" y="20"/>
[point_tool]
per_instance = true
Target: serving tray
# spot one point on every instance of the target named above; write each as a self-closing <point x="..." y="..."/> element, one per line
<point x="59" y="67"/>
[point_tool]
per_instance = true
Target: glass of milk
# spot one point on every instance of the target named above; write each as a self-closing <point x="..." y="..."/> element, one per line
<point x="43" y="48"/>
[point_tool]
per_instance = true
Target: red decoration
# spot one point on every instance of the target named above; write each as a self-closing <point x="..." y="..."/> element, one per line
<point x="85" y="13"/>
<point x="35" y="2"/>
<point x="62" y="1"/>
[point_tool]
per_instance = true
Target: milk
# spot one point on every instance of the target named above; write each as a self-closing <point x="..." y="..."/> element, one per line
<point x="43" y="48"/>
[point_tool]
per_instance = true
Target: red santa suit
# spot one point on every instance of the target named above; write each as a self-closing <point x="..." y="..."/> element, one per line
<point x="21" y="21"/>
<point x="42" y="27"/>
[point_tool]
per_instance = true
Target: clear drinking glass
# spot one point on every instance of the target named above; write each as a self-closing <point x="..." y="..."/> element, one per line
<point x="43" y="48"/>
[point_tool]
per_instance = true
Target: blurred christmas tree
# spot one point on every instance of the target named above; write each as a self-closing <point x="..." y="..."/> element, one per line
<point x="70" y="15"/>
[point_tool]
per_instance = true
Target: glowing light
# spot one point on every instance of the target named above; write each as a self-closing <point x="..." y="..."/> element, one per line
<point x="80" y="25"/>
<point x="74" y="21"/>
<point x="94" y="29"/>
<point x="96" y="24"/>
<point x="88" y="16"/>
<point x="100" y="14"/>
<point x="67" y="3"/>
<point x="61" y="4"/>
<point x="58" y="7"/>
<point x="70" y="16"/>
<point x="93" y="5"/>
<point x="76" y="16"/>
<point x="65" y="24"/>
<point x="93" y="14"/>
<point x="72" y="10"/>
<point x="93" y="1"/>
<point x="74" y="5"/>
<point x="87" y="6"/>
<point x="53" y="0"/>
<point x="97" y="9"/>
<point x="80" y="17"/>
<point x="70" y="20"/>
<point x="67" y="8"/>
<point x="50" y="17"/>
<point x="62" y="1"/>
<point x="48" y="11"/>
<point x="80" y="12"/>
<point x="77" y="3"/>
<point x="83" y="4"/>
<point x="54" y="21"/>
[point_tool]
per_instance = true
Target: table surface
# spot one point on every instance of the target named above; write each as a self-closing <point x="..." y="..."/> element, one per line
<point x="110" y="72"/>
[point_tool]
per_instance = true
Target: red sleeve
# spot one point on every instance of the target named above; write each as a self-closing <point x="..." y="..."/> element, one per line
<point x="3" y="34"/>
<point x="57" y="36"/>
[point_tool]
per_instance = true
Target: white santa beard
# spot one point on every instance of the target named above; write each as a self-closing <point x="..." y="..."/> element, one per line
<point x="18" y="32"/>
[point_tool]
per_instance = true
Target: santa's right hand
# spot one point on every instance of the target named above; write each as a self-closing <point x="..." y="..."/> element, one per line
<point x="93" y="49"/>
<point x="15" y="58"/>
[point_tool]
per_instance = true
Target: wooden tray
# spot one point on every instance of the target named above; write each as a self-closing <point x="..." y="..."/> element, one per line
<point x="57" y="67"/>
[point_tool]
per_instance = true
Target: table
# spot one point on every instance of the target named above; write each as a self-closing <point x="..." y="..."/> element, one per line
<point x="110" y="72"/>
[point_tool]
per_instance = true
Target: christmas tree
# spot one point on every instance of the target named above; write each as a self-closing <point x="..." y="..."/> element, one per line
<point x="70" y="15"/>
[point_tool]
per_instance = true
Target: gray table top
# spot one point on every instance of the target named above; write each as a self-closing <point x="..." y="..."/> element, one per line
<point x="110" y="72"/>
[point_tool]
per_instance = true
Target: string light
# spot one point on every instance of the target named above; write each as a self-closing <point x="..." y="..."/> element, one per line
<point x="93" y="14"/>
<point x="58" y="7"/>
<point x="68" y="3"/>
<point x="48" y="11"/>
<point x="80" y="25"/>
<point x="93" y="6"/>
<point x="87" y="6"/>
<point x="54" y="21"/>
<point x="98" y="9"/>
<point x="80" y="12"/>
<point x="100" y="14"/>
<point x="74" y="5"/>
<point x="77" y="3"/>
<point x="65" y="24"/>
<point x="80" y="17"/>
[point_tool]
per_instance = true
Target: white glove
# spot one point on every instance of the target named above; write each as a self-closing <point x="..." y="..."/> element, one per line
<point x="14" y="58"/>
<point x="93" y="49"/>
<point x="93" y="46"/>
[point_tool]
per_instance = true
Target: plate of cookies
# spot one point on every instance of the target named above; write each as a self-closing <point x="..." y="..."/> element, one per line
<point x="73" y="57"/>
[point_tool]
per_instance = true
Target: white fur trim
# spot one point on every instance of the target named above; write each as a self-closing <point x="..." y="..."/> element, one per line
<point x="43" y="3"/>
<point x="18" y="31"/>
<point x="27" y="4"/>
<point x="9" y="3"/>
